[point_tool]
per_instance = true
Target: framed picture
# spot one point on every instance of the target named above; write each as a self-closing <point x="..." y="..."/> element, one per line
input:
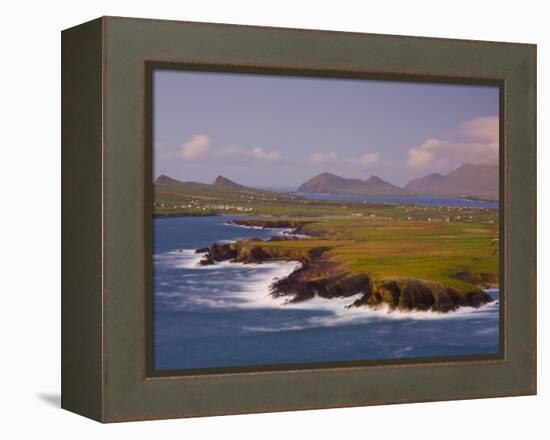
<point x="262" y="219"/>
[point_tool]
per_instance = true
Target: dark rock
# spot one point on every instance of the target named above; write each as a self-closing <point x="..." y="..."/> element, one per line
<point x="415" y="294"/>
<point x="218" y="252"/>
<point x="206" y="261"/>
<point x="387" y="292"/>
<point x="476" y="298"/>
<point x="280" y="238"/>
<point x="344" y="285"/>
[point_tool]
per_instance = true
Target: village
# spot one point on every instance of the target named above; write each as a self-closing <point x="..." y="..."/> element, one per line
<point x="262" y="204"/>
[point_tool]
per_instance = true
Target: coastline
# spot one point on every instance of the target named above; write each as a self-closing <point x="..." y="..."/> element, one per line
<point x="190" y="301"/>
<point x="319" y="276"/>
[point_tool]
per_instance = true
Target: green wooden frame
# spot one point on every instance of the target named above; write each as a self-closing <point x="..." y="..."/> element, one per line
<point x="106" y="215"/>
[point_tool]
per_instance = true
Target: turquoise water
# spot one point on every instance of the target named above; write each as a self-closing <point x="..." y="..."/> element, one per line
<point x="222" y="315"/>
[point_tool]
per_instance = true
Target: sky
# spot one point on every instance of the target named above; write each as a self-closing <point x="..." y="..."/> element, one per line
<point x="279" y="131"/>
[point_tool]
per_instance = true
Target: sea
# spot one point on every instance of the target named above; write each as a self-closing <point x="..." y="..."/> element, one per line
<point x="223" y="315"/>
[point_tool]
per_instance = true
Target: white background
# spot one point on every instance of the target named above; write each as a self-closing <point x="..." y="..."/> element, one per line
<point x="30" y="220"/>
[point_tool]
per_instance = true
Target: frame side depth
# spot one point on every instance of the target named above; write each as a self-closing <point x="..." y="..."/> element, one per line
<point x="81" y="135"/>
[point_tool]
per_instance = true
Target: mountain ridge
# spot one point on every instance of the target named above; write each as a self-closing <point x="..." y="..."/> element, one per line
<point x="475" y="180"/>
<point x="221" y="183"/>
<point x="466" y="180"/>
<point x="328" y="183"/>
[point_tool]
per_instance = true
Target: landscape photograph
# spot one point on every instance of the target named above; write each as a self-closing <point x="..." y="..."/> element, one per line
<point x="306" y="220"/>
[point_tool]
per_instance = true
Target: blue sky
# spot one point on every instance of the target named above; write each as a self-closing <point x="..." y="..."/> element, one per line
<point x="279" y="131"/>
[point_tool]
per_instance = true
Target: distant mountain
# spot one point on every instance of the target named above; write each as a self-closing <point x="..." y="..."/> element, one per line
<point x="379" y="186"/>
<point x="327" y="183"/>
<point x="165" y="180"/>
<point x="220" y="184"/>
<point x="224" y="182"/>
<point x="466" y="180"/>
<point x="427" y="184"/>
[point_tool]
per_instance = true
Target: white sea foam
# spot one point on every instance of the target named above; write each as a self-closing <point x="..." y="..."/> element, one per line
<point x="278" y="231"/>
<point x="338" y="314"/>
<point x="402" y="351"/>
<point x="300" y="236"/>
<point x="487" y="331"/>
<point x="181" y="258"/>
<point x="229" y="284"/>
<point x="254" y="290"/>
<point x="235" y="225"/>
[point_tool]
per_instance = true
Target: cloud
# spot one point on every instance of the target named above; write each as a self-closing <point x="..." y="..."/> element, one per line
<point x="482" y="129"/>
<point x="423" y="155"/>
<point x="260" y="153"/>
<point x="243" y="154"/>
<point x="369" y="159"/>
<point x="196" y="147"/>
<point x="319" y="158"/>
<point x="480" y="144"/>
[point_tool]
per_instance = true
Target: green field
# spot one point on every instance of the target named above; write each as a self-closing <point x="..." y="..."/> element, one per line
<point x="434" y="251"/>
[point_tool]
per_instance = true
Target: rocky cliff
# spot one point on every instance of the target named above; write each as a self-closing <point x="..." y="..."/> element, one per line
<point x="319" y="275"/>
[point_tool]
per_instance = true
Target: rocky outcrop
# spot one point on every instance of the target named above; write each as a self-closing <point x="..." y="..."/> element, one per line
<point x="300" y="286"/>
<point x="416" y="294"/>
<point x="321" y="276"/>
<point x="404" y="294"/>
<point x="249" y="251"/>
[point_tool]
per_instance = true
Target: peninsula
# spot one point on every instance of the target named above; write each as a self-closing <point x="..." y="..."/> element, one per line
<point x="403" y="267"/>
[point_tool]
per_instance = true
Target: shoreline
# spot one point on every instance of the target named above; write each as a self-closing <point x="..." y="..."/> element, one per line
<point x="319" y="276"/>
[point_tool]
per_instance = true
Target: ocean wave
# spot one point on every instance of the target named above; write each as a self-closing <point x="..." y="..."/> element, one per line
<point x="338" y="314"/>
<point x="253" y="291"/>
<point x="236" y="225"/>
<point x="401" y="352"/>
<point x="487" y="331"/>
<point x="221" y="285"/>
<point x="278" y="231"/>
<point x="181" y="258"/>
